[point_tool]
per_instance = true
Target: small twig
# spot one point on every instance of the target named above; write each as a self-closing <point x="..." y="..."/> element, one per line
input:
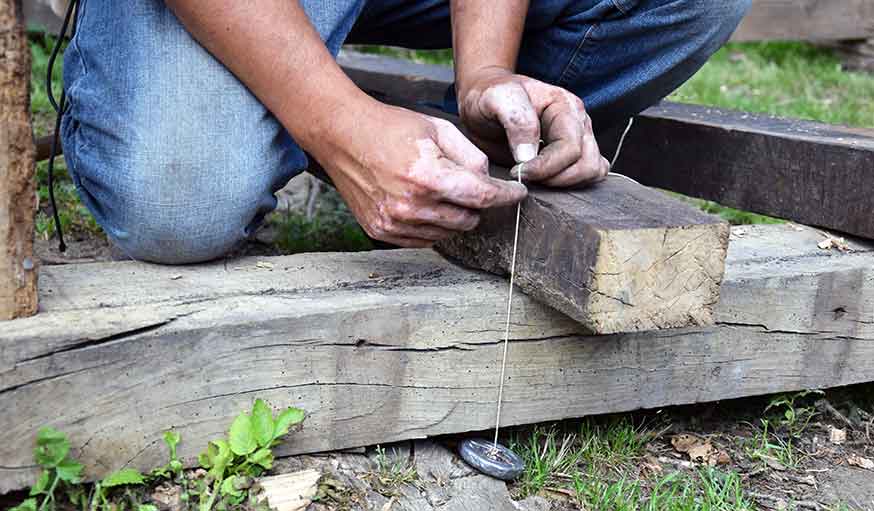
<point x="823" y="405"/>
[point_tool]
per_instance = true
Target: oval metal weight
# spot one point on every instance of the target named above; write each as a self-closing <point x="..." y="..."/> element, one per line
<point x="491" y="459"/>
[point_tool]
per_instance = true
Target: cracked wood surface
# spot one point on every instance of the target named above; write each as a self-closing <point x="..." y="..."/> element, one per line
<point x="616" y="256"/>
<point x="385" y="346"/>
<point x="18" y="295"/>
<point x="807" y="172"/>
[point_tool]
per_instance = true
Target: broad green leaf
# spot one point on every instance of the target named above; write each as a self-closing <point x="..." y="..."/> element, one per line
<point x="262" y="423"/>
<point x="241" y="436"/>
<point x="230" y="488"/>
<point x="175" y="466"/>
<point x="220" y="457"/>
<point x="52" y="447"/>
<point x="205" y="459"/>
<point x="42" y="483"/>
<point x="27" y="505"/>
<point x="262" y="457"/>
<point x="123" y="477"/>
<point x="288" y="418"/>
<point x="172" y="438"/>
<point x="69" y="470"/>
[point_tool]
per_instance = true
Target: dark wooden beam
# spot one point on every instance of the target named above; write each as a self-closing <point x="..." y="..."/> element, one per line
<point x="18" y="296"/>
<point x="616" y="256"/>
<point x="807" y="172"/>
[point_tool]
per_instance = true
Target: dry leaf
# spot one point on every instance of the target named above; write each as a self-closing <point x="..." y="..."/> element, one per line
<point x="837" y="436"/>
<point x="826" y="244"/>
<point x="684" y="441"/>
<point x="722" y="458"/>
<point x="264" y="265"/>
<point x="858" y="461"/>
<point x="839" y="244"/>
<point x="701" y="453"/>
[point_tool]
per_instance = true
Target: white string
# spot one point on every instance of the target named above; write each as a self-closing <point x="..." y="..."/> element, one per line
<point x="507" y="329"/>
<point x="619" y="151"/>
<point x="513" y="279"/>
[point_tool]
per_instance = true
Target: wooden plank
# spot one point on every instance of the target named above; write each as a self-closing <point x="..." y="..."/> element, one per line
<point x="807" y="172"/>
<point x="18" y="296"/>
<point x="616" y="256"/>
<point x="807" y="20"/>
<point x="40" y="17"/>
<point x="385" y="346"/>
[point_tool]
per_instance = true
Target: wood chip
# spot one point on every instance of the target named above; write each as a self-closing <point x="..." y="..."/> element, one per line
<point x="290" y="492"/>
<point x="859" y="461"/>
<point x="264" y="265"/>
<point x="837" y="436"/>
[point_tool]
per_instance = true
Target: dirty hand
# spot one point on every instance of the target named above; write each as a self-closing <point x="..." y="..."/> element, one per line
<point x="411" y="179"/>
<point x="499" y="107"/>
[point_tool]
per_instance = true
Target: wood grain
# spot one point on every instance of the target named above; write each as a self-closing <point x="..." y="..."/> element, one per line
<point x="807" y="172"/>
<point x="807" y="20"/>
<point x="18" y="295"/>
<point x="384" y="346"/>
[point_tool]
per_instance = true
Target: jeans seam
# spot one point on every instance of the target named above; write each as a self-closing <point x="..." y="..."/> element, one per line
<point x="561" y="80"/>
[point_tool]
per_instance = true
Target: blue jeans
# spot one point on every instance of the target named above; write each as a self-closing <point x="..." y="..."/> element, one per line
<point x="179" y="162"/>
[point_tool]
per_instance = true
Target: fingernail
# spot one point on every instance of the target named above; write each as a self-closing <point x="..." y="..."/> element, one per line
<point x="525" y="152"/>
<point x="518" y="170"/>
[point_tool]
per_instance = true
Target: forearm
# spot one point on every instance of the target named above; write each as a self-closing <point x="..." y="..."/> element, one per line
<point x="485" y="35"/>
<point x="272" y="47"/>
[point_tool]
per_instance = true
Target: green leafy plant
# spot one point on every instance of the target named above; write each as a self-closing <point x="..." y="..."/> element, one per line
<point x="247" y="452"/>
<point x="795" y="416"/>
<point x="52" y="453"/>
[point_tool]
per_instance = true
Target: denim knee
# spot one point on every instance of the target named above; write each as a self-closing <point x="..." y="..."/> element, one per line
<point x="710" y="22"/>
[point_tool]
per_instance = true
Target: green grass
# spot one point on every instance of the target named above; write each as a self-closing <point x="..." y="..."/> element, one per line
<point x="783" y="79"/>
<point x="588" y="464"/>
<point x="555" y="454"/>
<point x="707" y="490"/>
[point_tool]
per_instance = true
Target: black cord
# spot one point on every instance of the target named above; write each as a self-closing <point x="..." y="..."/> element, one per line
<point x="72" y="14"/>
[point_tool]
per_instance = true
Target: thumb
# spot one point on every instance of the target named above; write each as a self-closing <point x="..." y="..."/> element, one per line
<point x="511" y="106"/>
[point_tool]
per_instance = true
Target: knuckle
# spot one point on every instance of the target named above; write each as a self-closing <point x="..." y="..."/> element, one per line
<point x="487" y="196"/>
<point x="403" y="211"/>
<point x="481" y="161"/>
<point x="469" y="221"/>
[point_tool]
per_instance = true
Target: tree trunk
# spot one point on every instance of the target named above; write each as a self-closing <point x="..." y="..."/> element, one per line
<point x="18" y="295"/>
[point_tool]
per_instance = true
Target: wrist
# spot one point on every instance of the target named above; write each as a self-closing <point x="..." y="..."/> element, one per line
<point x="467" y="79"/>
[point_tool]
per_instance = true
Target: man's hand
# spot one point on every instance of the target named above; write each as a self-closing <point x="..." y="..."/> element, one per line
<point x="411" y="179"/>
<point x="499" y="107"/>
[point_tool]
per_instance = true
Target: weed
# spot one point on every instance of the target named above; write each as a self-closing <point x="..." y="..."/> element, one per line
<point x="615" y="442"/>
<point x="232" y="463"/>
<point x="795" y="416"/>
<point x="392" y="473"/>
<point x="770" y="448"/>
<point x="548" y="455"/>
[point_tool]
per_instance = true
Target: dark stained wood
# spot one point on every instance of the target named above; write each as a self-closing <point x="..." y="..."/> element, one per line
<point x="617" y="256"/>
<point x="386" y="346"/>
<point x="807" y="172"/>
<point x="807" y="20"/>
<point x="18" y="296"/>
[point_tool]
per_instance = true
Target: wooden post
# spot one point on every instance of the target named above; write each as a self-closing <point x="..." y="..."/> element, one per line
<point x="18" y="295"/>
